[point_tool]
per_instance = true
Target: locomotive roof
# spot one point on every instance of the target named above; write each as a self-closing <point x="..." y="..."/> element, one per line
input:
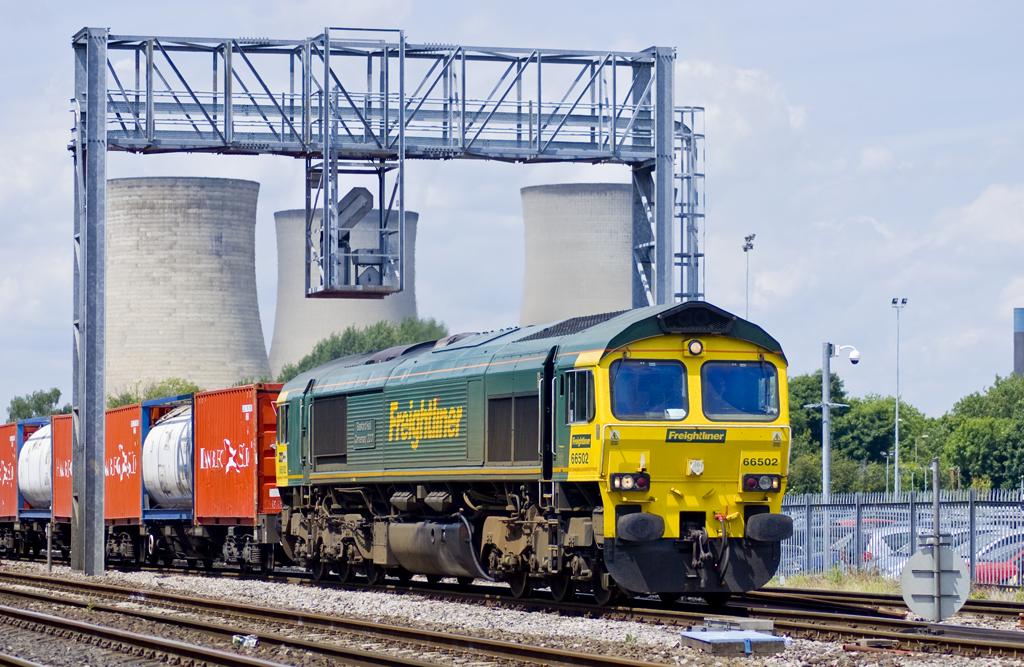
<point x="464" y="355"/>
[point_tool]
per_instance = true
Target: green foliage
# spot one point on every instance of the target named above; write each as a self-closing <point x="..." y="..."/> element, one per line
<point x="378" y="336"/>
<point x="136" y="393"/>
<point x="37" y="404"/>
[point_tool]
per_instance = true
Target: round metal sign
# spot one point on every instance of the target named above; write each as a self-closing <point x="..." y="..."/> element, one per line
<point x="918" y="583"/>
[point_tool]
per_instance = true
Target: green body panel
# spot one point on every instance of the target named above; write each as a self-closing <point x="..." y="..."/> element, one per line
<point x="367" y="431"/>
<point x="425" y="425"/>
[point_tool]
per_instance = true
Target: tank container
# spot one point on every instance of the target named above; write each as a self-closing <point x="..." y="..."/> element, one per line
<point x="35" y="467"/>
<point x="167" y="460"/>
<point x="235" y="477"/>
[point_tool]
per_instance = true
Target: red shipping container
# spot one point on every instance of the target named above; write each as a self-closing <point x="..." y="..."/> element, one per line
<point x="63" y="436"/>
<point x="235" y="463"/>
<point x="122" y="479"/>
<point x="8" y="472"/>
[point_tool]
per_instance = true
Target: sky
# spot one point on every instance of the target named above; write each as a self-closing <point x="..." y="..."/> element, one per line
<point x="874" y="148"/>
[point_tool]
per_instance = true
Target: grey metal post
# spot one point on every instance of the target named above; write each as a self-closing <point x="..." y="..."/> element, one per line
<point x="936" y="537"/>
<point x="401" y="160"/>
<point x="664" y="194"/>
<point x="90" y="391"/>
<point x="913" y="522"/>
<point x="857" y="546"/>
<point x="826" y="398"/>
<point x="971" y="498"/>
<point x="78" y="456"/>
<point x="809" y="539"/>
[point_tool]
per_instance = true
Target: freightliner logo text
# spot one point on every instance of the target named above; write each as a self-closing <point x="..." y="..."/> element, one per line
<point x="427" y="422"/>
<point x="695" y="435"/>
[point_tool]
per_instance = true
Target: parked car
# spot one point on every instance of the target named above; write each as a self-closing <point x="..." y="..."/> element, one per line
<point x="1000" y="566"/>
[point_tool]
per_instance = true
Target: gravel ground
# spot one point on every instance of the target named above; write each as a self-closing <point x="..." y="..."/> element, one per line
<point x="620" y="638"/>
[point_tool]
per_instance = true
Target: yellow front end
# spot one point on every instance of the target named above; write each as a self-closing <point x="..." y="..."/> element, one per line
<point x="698" y="464"/>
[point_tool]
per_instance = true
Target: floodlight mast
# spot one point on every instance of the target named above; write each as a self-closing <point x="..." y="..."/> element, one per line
<point x="463" y="107"/>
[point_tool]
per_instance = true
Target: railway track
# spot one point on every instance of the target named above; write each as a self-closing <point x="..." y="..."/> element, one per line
<point x="795" y="612"/>
<point x="1001" y="608"/>
<point x="291" y="621"/>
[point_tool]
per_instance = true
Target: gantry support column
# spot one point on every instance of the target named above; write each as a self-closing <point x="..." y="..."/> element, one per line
<point x="664" y="174"/>
<point x="89" y="411"/>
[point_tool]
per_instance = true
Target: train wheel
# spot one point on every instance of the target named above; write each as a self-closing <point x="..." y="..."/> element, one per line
<point x="520" y="584"/>
<point x="603" y="594"/>
<point x="168" y="562"/>
<point x="717" y="600"/>
<point x="433" y="579"/>
<point x="191" y="563"/>
<point x="465" y="582"/>
<point x="670" y="598"/>
<point x="404" y="575"/>
<point x="208" y="564"/>
<point x="269" y="560"/>
<point x="319" y="570"/>
<point x="374" y="573"/>
<point x="346" y="572"/>
<point x="563" y="588"/>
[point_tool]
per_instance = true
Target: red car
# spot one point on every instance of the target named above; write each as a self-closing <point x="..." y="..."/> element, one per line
<point x="1000" y="566"/>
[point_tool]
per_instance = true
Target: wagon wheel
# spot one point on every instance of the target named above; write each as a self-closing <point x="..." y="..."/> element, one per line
<point x="268" y="560"/>
<point x="404" y="575"/>
<point x="191" y="563"/>
<point x="208" y="564"/>
<point x="434" y="579"/>
<point x="465" y="582"/>
<point x="168" y="562"/>
<point x="670" y="598"/>
<point x="520" y="584"/>
<point x="319" y="569"/>
<point x="563" y="588"/>
<point x="374" y="573"/>
<point x="603" y="595"/>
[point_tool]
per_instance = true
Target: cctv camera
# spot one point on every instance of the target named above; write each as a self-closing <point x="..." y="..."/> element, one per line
<point x="854" y="357"/>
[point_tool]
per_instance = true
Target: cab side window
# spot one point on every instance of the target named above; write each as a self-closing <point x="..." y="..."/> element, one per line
<point x="579" y="397"/>
<point x="282" y="424"/>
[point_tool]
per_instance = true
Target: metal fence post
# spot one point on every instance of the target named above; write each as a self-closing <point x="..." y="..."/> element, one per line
<point x="913" y="522"/>
<point x="856" y="535"/>
<point x="972" y="496"/>
<point x="809" y="534"/>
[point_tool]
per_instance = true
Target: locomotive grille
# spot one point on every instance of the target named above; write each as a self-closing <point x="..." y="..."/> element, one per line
<point x="513" y="430"/>
<point x="572" y="325"/>
<point x="696" y="320"/>
<point x="329" y="430"/>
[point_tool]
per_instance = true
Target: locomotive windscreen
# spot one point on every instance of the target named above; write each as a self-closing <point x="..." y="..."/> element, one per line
<point x="649" y="390"/>
<point x="740" y="391"/>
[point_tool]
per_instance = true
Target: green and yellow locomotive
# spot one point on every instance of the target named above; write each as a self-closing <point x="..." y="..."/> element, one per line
<point x="639" y="452"/>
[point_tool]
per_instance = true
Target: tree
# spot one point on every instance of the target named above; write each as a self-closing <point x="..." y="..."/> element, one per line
<point x="162" y="389"/>
<point x="985" y="449"/>
<point x="806" y="422"/>
<point x="37" y="404"/>
<point x="378" y="336"/>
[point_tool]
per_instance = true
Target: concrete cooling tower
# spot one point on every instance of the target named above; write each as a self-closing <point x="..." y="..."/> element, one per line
<point x="181" y="282"/>
<point x="301" y="323"/>
<point x="579" y="249"/>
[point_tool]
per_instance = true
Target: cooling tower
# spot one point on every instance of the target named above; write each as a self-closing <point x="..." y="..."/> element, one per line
<point x="301" y="323"/>
<point x="579" y="247"/>
<point x="181" y="282"/>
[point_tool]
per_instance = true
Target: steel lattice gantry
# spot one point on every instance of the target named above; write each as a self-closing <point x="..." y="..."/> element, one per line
<point x="361" y="102"/>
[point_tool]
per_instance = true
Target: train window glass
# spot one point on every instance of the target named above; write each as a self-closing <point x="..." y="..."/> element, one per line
<point x="740" y="391"/>
<point x="282" y="424"/>
<point x="649" y="390"/>
<point x="330" y="430"/>
<point x="579" y="397"/>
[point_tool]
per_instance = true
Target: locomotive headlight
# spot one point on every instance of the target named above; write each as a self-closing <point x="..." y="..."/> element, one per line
<point x="765" y="482"/>
<point x="758" y="482"/>
<point x="695" y="347"/>
<point x="627" y="482"/>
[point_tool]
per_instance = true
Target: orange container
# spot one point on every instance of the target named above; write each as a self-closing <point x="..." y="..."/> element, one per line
<point x="122" y="465"/>
<point x="63" y="437"/>
<point x="235" y="475"/>
<point x="9" y="472"/>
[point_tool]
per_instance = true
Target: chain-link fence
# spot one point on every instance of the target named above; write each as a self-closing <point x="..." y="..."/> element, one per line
<point x="873" y="531"/>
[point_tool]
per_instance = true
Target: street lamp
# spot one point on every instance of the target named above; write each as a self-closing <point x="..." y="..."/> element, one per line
<point x="899" y="304"/>
<point x="828" y="350"/>
<point x="748" y="245"/>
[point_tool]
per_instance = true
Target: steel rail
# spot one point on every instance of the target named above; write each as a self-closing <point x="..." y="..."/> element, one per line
<point x="423" y="638"/>
<point x="12" y="661"/>
<point x="971" y="606"/>
<point x="116" y="637"/>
